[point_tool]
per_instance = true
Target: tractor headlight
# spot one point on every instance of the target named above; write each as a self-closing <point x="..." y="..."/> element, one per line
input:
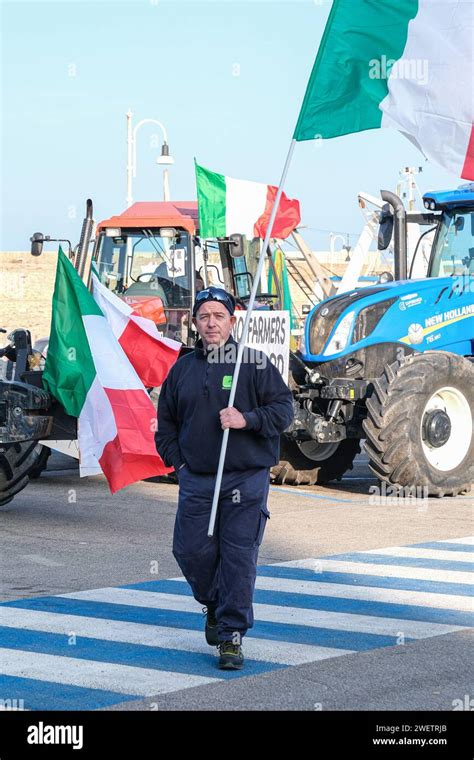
<point x="340" y="338"/>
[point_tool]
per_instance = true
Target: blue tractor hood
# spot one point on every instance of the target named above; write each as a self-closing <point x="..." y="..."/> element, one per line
<point x="424" y="314"/>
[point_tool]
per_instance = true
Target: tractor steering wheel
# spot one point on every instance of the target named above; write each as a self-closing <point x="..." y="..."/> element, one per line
<point x="150" y="275"/>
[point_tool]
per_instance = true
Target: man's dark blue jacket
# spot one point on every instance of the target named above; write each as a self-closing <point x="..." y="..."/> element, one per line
<point x="194" y="392"/>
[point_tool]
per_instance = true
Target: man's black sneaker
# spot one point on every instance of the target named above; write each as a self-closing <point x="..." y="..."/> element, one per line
<point x="230" y="655"/>
<point x="211" y="630"/>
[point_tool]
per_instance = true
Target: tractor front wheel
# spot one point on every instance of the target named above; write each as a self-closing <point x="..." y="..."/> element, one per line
<point x="419" y="424"/>
<point x="310" y="462"/>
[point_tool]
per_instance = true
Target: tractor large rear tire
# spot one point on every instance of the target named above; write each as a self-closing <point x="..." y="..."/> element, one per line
<point x="15" y="464"/>
<point x="419" y="424"/>
<point x="325" y="462"/>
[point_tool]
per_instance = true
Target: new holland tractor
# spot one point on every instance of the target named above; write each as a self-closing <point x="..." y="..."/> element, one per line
<point x="393" y="364"/>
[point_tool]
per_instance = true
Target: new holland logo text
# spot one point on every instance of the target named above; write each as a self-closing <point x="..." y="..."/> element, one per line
<point x="448" y="316"/>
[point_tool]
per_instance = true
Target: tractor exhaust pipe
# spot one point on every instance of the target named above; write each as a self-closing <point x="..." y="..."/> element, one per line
<point x="400" y="233"/>
<point x="86" y="235"/>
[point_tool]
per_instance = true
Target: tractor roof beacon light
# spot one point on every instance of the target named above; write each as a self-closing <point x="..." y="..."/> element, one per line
<point x="441" y="200"/>
<point x="168" y="232"/>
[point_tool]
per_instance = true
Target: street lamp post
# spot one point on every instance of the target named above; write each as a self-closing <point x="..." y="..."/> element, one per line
<point x="164" y="160"/>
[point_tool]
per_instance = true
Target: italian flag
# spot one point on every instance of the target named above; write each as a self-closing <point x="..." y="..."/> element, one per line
<point x="281" y="274"/>
<point x="151" y="354"/>
<point x="88" y="372"/>
<point x="228" y="206"/>
<point x="407" y="64"/>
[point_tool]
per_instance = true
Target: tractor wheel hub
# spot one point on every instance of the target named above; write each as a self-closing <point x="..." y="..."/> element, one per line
<point x="436" y="428"/>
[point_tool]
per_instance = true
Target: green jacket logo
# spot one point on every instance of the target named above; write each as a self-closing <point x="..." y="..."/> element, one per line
<point x="227" y="382"/>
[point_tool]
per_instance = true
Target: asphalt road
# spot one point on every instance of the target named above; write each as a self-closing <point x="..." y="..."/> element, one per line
<point x="351" y="612"/>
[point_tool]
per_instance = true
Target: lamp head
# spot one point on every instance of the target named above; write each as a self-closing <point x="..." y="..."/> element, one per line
<point x="165" y="159"/>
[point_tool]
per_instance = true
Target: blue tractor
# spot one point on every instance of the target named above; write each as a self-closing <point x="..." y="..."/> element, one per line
<point x="392" y="364"/>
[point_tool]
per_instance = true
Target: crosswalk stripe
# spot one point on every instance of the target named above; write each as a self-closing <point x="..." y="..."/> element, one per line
<point x="282" y="653"/>
<point x="419" y="552"/>
<point x="392" y="571"/>
<point x="465" y="540"/>
<point x="432" y="564"/>
<point x="451" y="546"/>
<point x="271" y="613"/>
<point x="366" y="593"/>
<point x="49" y="695"/>
<point x="96" y="675"/>
<point x="315" y="575"/>
<point x="171" y="659"/>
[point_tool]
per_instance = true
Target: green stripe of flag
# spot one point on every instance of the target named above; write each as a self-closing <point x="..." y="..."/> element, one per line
<point x="69" y="370"/>
<point x="211" y="193"/>
<point x="344" y="91"/>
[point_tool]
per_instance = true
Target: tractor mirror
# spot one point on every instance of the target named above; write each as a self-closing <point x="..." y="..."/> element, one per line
<point x="385" y="228"/>
<point x="236" y="246"/>
<point x="37" y="244"/>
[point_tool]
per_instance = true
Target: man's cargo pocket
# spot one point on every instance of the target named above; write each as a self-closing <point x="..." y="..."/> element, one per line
<point x="264" y="516"/>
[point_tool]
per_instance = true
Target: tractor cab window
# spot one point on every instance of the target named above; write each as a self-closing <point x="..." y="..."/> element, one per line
<point x="111" y="263"/>
<point x="145" y="263"/>
<point x="242" y="270"/>
<point x="454" y="245"/>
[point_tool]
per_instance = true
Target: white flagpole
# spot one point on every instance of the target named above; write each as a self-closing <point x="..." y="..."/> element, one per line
<point x="243" y="338"/>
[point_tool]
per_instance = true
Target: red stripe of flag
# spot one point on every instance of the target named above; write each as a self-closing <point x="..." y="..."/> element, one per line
<point x="287" y="218"/>
<point x="468" y="168"/>
<point x="151" y="358"/>
<point x="132" y="454"/>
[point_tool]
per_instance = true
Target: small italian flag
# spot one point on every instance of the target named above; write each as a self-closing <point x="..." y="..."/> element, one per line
<point x="407" y="64"/>
<point x="88" y="372"/>
<point x="227" y="206"/>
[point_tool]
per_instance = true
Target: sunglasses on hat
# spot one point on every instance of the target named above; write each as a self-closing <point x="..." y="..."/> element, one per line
<point x="214" y="294"/>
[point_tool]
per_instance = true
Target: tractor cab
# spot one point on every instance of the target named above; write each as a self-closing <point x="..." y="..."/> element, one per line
<point x="147" y="256"/>
<point x="152" y="257"/>
<point x="453" y="247"/>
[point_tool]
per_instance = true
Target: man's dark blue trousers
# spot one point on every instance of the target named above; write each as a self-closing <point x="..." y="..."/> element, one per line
<point x="221" y="569"/>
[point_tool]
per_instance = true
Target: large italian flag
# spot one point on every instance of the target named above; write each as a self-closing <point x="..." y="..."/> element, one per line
<point x="407" y="64"/>
<point x="151" y="354"/>
<point x="228" y="206"/>
<point x="89" y="373"/>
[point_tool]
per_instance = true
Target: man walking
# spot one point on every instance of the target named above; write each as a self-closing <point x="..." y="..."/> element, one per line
<point x="192" y="413"/>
